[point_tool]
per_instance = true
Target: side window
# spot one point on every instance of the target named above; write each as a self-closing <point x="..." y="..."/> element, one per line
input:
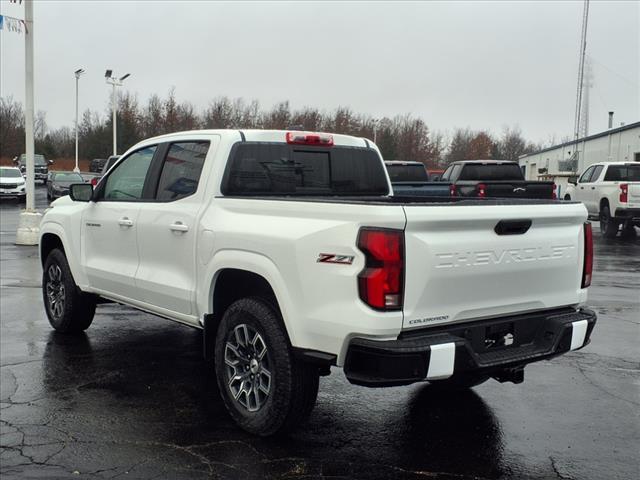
<point x="455" y="173"/>
<point x="125" y="183"/>
<point x="181" y="170"/>
<point x="586" y="175"/>
<point x="447" y="173"/>
<point x="596" y="173"/>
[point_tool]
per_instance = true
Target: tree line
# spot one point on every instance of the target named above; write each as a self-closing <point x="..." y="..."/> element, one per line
<point x="403" y="137"/>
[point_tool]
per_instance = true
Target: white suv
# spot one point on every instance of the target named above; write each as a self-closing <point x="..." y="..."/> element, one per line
<point x="611" y="192"/>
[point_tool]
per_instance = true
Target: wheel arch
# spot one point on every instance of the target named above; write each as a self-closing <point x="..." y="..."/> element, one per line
<point x="52" y="235"/>
<point x="48" y="242"/>
<point x="236" y="274"/>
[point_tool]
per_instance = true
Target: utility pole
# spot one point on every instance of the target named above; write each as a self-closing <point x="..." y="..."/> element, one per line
<point x="77" y="73"/>
<point x="28" y="231"/>
<point x="28" y="114"/>
<point x="581" y="58"/>
<point x="587" y="83"/>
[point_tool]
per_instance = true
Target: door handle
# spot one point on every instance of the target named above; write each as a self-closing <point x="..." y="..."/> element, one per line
<point x="179" y="227"/>
<point x="593" y="188"/>
<point x="125" y="222"/>
<point x="581" y="188"/>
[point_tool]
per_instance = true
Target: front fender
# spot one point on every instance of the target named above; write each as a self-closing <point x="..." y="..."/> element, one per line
<point x="71" y="249"/>
<point x="254" y="263"/>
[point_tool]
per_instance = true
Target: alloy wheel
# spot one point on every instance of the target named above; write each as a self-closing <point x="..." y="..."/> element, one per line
<point x="55" y="291"/>
<point x="247" y="365"/>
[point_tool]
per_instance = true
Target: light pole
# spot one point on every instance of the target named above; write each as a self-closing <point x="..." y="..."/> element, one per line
<point x="78" y="72"/>
<point x="115" y="82"/>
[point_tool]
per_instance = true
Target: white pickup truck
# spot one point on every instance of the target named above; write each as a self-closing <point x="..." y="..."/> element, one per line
<point x="611" y="193"/>
<point x="292" y="254"/>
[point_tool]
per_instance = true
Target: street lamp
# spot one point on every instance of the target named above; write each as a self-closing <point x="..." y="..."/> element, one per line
<point x="77" y="73"/>
<point x="115" y="82"/>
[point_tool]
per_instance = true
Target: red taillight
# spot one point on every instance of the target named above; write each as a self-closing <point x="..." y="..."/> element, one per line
<point x="481" y="190"/>
<point x="554" y="195"/>
<point x="587" y="270"/>
<point x="624" y="192"/>
<point x="452" y="190"/>
<point x="306" y="138"/>
<point x="381" y="282"/>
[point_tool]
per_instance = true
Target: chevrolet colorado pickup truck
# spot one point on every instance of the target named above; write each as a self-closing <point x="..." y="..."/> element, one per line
<point x="494" y="179"/>
<point x="412" y="178"/>
<point x="288" y="251"/>
<point x="611" y="193"/>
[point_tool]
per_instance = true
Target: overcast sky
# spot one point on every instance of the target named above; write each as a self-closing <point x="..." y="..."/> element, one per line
<point x="467" y="64"/>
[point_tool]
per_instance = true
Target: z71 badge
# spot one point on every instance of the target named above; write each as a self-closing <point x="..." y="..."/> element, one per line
<point x="333" y="258"/>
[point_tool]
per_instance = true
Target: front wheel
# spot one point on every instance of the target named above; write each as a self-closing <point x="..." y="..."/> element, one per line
<point x="264" y="388"/>
<point x="608" y="226"/>
<point x="68" y="309"/>
<point x="567" y="197"/>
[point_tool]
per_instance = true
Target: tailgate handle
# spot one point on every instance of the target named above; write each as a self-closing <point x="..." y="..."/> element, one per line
<point x="512" y="227"/>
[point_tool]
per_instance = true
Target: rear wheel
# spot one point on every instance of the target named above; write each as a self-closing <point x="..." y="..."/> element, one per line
<point x="608" y="226"/>
<point x="264" y="388"/>
<point x="460" y="382"/>
<point x="68" y="309"/>
<point x="567" y="197"/>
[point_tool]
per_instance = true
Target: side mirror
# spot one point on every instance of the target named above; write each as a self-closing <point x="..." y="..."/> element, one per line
<point x="81" y="192"/>
<point x="573" y="180"/>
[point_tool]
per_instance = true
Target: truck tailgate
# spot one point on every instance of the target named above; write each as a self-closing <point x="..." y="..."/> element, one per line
<point x="460" y="266"/>
<point x="634" y="195"/>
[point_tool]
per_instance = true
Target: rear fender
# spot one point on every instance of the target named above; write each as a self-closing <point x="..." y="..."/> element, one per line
<point x="254" y="263"/>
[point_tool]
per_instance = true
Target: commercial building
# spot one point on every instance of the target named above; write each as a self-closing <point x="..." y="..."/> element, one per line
<point x="558" y="163"/>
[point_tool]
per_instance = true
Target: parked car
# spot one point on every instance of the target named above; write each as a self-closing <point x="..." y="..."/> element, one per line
<point x="59" y="182"/>
<point x="12" y="184"/>
<point x="288" y="250"/>
<point x="412" y="178"/>
<point x="40" y="167"/>
<point x="97" y="164"/>
<point x="105" y="168"/>
<point x="494" y="178"/>
<point x="611" y="193"/>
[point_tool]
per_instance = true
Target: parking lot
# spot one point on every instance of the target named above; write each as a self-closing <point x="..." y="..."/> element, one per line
<point x="133" y="398"/>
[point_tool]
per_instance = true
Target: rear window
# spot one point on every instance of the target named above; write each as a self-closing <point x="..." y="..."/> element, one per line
<point x="491" y="171"/>
<point x="622" y="173"/>
<point x="256" y="168"/>
<point x="407" y="173"/>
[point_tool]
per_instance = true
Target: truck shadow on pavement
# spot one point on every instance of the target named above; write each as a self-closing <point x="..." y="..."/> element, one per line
<point x="146" y="392"/>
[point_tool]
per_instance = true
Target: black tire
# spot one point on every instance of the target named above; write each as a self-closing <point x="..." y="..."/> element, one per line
<point x="459" y="382"/>
<point x="608" y="226"/>
<point x="567" y="197"/>
<point x="68" y="309"/>
<point x="291" y="386"/>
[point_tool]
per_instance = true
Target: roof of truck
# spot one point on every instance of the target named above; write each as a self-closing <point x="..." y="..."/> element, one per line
<point x="493" y="162"/>
<point x="402" y="162"/>
<point x="257" y="135"/>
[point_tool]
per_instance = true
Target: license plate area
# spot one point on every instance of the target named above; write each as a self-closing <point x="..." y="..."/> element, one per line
<point x="499" y="336"/>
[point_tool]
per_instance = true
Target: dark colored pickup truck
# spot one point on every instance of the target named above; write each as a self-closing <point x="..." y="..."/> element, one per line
<point x="412" y="178"/>
<point x="495" y="179"/>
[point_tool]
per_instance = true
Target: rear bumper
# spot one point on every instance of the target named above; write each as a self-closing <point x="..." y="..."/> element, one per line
<point x="632" y="214"/>
<point x="442" y="352"/>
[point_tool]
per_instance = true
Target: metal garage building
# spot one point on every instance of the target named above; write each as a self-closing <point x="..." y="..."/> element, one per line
<point x="558" y="163"/>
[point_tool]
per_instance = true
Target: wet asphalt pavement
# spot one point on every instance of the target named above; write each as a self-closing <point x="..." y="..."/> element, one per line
<point x="132" y="398"/>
